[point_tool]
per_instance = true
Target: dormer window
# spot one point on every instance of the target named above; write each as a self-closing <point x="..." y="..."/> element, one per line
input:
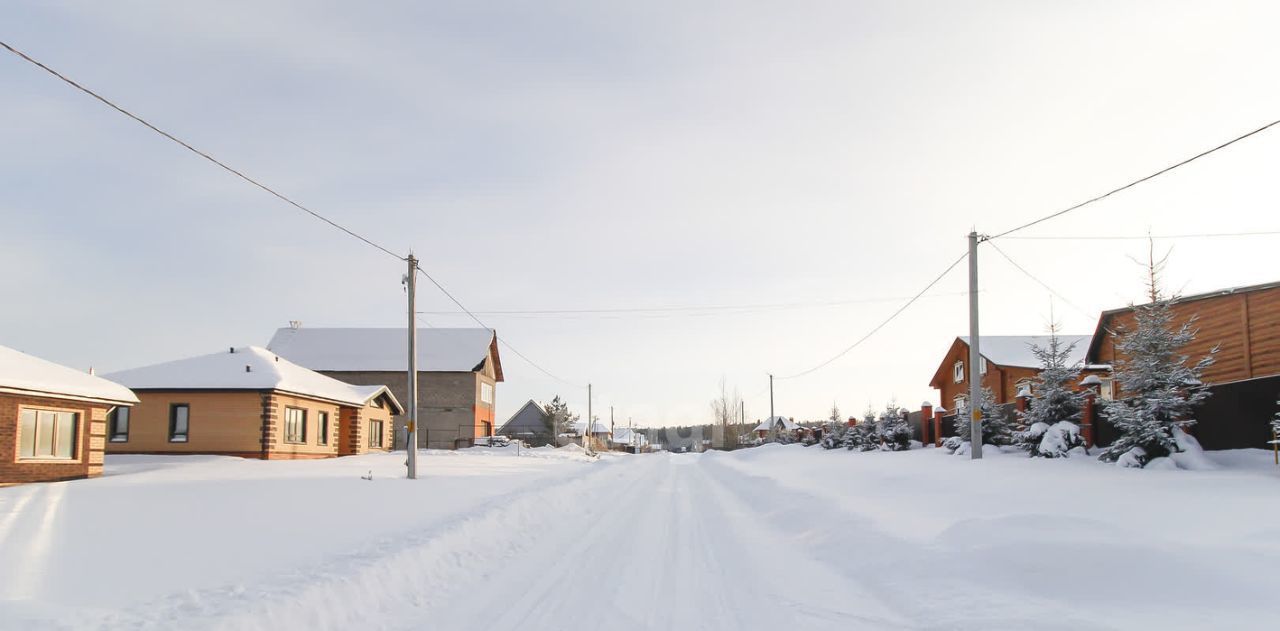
<point x="958" y="371"/>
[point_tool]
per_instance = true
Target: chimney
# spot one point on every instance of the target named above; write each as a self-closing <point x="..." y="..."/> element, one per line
<point x="233" y="350"/>
<point x="91" y="370"/>
<point x="295" y="324"/>
<point x="247" y="368"/>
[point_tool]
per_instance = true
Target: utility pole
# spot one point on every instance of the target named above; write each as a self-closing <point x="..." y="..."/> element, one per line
<point x="586" y="437"/>
<point x="975" y="355"/>
<point x="411" y="441"/>
<point x="770" y="399"/>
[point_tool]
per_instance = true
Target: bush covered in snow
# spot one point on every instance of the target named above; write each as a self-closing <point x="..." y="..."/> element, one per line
<point x="865" y="436"/>
<point x="1161" y="390"/>
<point x="895" y="432"/>
<point x="1049" y="427"/>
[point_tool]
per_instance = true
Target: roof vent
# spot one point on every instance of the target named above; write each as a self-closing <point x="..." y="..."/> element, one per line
<point x="233" y="350"/>
<point x="247" y="368"/>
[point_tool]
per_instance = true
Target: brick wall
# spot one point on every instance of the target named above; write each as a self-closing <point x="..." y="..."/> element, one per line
<point x="91" y="436"/>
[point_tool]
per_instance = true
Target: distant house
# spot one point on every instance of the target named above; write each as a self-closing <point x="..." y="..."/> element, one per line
<point x="250" y="402"/>
<point x="627" y="439"/>
<point x="53" y="419"/>
<point x="1007" y="365"/>
<point x="458" y="371"/>
<point x="530" y="423"/>
<point x="599" y="434"/>
<point x="775" y="424"/>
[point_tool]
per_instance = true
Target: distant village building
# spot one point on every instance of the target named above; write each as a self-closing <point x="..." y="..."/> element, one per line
<point x="531" y="423"/>
<point x="458" y="373"/>
<point x="249" y="402"/>
<point x="53" y="419"/>
<point x="774" y="425"/>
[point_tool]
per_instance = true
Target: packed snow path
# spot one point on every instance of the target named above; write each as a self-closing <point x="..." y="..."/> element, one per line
<point x="760" y="539"/>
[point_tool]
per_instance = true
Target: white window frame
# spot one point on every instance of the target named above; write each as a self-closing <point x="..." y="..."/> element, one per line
<point x="1107" y="391"/>
<point x="376" y="434"/>
<point x="486" y="392"/>
<point x="961" y="401"/>
<point x="295" y="429"/>
<point x="957" y="371"/>
<point x="982" y="365"/>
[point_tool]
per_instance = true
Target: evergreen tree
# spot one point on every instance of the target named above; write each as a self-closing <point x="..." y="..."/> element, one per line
<point x="833" y="433"/>
<point x="1050" y="427"/>
<point x="559" y="417"/>
<point x="996" y="429"/>
<point x="895" y="431"/>
<point x="1275" y="425"/>
<point x="867" y="433"/>
<point x="1161" y="390"/>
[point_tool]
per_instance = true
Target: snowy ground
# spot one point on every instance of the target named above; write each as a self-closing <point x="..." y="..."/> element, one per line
<point x="767" y="538"/>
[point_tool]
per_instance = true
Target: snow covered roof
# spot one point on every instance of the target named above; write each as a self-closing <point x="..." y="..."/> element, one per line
<point x="383" y="349"/>
<point x="596" y="428"/>
<point x="247" y="368"/>
<point x="21" y="373"/>
<point x="1015" y="350"/>
<point x="628" y="436"/>
<point x="771" y="422"/>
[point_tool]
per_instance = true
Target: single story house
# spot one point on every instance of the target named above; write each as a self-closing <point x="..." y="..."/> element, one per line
<point x="53" y="419"/>
<point x="776" y="424"/>
<point x="458" y="373"/>
<point x="249" y="402"/>
<point x="627" y="439"/>
<point x="531" y="423"/>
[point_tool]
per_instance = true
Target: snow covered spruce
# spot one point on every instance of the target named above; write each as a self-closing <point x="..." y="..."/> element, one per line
<point x="1049" y="428"/>
<point x="1161" y="391"/>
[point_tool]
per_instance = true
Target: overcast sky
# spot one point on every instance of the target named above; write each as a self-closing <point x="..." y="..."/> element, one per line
<point x="823" y="158"/>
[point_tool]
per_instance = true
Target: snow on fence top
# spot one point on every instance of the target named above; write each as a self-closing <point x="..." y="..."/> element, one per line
<point x="246" y="368"/>
<point x="382" y="349"/>
<point x="21" y="373"/>
<point x="1015" y="350"/>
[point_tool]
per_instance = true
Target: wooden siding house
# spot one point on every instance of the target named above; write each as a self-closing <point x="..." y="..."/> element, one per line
<point x="249" y="402"/>
<point x="52" y="419"/>
<point x="458" y="373"/>
<point x="1243" y="323"/>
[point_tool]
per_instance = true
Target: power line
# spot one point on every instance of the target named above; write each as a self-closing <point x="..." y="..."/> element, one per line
<point x="1137" y="181"/>
<point x="198" y="152"/>
<point x="501" y="340"/>
<point x="1042" y="283"/>
<point x="690" y="310"/>
<point x="877" y="328"/>
<point x="1207" y="235"/>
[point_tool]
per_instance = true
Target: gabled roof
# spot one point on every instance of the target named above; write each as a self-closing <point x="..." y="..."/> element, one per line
<point x="628" y="436"/>
<point x="1010" y="351"/>
<point x="384" y="349"/>
<point x="1102" y="330"/>
<point x="596" y="428"/>
<point x="21" y="373"/>
<point x="771" y="422"/>
<point x="537" y="407"/>
<point x="247" y="368"/>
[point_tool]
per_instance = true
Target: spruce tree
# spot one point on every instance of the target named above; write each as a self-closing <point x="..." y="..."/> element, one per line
<point x="996" y="428"/>
<point x="1050" y="427"/>
<point x="1160" y="390"/>
<point x="868" y="432"/>
<point x="895" y="431"/>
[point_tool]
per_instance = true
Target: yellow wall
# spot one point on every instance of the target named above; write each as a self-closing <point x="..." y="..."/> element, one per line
<point x="219" y="422"/>
<point x="312" y="446"/>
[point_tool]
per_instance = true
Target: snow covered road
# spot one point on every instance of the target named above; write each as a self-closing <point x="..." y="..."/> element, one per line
<point x="777" y="537"/>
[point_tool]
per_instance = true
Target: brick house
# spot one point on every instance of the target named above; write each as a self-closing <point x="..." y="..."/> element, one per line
<point x="1007" y="365"/>
<point x="249" y="402"/>
<point x="52" y="419"/>
<point x="458" y="373"/>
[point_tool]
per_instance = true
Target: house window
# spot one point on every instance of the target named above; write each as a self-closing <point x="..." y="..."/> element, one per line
<point x="179" y="422"/>
<point x="961" y="402"/>
<point x="1107" y="391"/>
<point x="957" y="372"/>
<point x="375" y="433"/>
<point x="119" y="423"/>
<point x="295" y="425"/>
<point x="48" y="434"/>
<point x="982" y="365"/>
<point x="1024" y="384"/>
<point x="322" y="428"/>
<point x="486" y="393"/>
